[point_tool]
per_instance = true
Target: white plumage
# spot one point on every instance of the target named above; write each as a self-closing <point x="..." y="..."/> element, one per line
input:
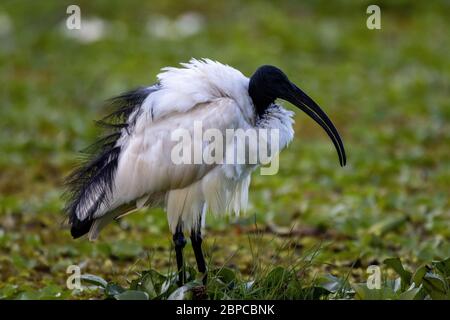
<point x="206" y="91"/>
<point x="134" y="166"/>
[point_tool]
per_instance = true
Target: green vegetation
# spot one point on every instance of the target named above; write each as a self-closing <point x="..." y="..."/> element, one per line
<point x="311" y="230"/>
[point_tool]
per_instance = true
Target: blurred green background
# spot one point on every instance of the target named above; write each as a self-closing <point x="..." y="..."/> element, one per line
<point x="386" y="90"/>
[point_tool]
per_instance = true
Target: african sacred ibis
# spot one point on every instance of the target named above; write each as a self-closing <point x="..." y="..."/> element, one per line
<point x="131" y="166"/>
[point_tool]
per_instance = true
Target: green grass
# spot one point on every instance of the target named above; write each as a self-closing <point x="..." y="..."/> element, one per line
<point x="387" y="91"/>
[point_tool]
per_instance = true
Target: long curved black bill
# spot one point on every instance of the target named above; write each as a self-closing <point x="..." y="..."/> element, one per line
<point x="300" y="99"/>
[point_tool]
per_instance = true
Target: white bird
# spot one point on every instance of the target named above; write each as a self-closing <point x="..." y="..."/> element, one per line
<point x="131" y="167"/>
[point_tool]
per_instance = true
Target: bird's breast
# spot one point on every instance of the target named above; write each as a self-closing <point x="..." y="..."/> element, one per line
<point x="279" y="124"/>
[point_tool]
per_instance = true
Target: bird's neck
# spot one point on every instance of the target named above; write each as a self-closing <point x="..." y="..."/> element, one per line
<point x="274" y="117"/>
<point x="262" y="104"/>
<point x="260" y="97"/>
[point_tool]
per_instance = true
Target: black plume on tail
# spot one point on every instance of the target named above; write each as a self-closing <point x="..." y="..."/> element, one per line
<point x="89" y="185"/>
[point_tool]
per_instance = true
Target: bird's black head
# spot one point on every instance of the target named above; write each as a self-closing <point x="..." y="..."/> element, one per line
<point x="266" y="85"/>
<point x="269" y="83"/>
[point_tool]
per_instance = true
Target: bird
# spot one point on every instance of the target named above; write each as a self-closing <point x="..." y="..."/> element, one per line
<point x="130" y="166"/>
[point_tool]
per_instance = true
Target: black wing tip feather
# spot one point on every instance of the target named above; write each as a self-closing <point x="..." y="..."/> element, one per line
<point x="80" y="228"/>
<point x="93" y="178"/>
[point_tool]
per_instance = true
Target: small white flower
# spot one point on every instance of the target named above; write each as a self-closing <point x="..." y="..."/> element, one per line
<point x="159" y="26"/>
<point x="6" y="25"/>
<point x="187" y="24"/>
<point x="92" y="29"/>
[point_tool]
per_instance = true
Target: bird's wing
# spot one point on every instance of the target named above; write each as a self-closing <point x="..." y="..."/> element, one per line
<point x="151" y="160"/>
<point x="134" y="158"/>
<point x="144" y="164"/>
<point x="89" y="184"/>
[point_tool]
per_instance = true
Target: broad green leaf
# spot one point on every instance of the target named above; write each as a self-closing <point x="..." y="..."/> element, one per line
<point x="184" y="292"/>
<point x="132" y="295"/>
<point x="93" y="279"/>
<point x="419" y="274"/>
<point x="362" y="292"/>
<point x="331" y="283"/>
<point x="113" y="289"/>
<point x="443" y="266"/>
<point x="151" y="282"/>
<point x="395" y="284"/>
<point x="170" y="284"/>
<point x="410" y="294"/>
<point x="397" y="266"/>
<point x="435" y="287"/>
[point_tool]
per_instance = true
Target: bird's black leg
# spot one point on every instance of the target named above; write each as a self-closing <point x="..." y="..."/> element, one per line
<point x="196" y="239"/>
<point x="180" y="242"/>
